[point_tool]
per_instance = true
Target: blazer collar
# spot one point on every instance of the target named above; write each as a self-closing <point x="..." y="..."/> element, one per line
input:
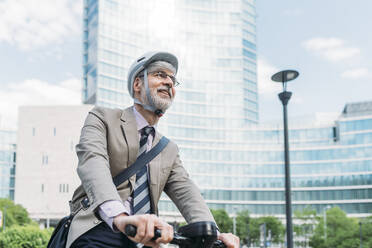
<point x="129" y="125"/>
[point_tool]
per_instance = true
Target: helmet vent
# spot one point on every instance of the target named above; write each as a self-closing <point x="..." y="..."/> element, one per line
<point x="138" y="60"/>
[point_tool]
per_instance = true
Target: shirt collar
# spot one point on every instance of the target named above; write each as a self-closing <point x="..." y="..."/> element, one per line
<point x="141" y="121"/>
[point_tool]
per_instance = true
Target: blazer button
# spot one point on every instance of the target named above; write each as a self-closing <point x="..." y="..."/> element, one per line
<point x="96" y="222"/>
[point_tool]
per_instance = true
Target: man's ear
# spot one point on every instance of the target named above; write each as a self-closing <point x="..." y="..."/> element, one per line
<point x="137" y="85"/>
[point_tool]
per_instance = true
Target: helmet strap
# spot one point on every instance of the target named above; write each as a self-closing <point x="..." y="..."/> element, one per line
<point x="151" y="105"/>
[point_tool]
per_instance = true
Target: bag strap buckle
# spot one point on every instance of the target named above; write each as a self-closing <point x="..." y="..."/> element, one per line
<point x="85" y="204"/>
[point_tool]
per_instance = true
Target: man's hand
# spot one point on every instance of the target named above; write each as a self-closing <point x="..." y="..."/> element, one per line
<point x="230" y="240"/>
<point x="145" y="228"/>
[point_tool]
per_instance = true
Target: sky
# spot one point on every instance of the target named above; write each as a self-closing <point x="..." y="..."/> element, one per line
<point x="327" y="41"/>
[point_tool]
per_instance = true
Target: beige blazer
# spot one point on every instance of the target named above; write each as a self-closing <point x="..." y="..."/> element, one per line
<point x="109" y="144"/>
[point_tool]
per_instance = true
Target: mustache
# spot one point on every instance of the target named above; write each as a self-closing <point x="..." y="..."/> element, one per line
<point x="166" y="88"/>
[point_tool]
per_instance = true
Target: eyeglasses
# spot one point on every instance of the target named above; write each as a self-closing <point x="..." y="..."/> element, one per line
<point x="164" y="75"/>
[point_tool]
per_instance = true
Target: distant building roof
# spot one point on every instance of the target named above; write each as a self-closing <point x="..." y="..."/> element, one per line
<point x="358" y="108"/>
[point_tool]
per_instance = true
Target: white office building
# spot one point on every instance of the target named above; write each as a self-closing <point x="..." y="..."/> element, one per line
<point x="47" y="161"/>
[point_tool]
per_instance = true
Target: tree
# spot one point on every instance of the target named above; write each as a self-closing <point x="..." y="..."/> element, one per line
<point x="342" y="232"/>
<point x="224" y="222"/>
<point x="15" y="214"/>
<point x="248" y="229"/>
<point x="254" y="231"/>
<point x="366" y="225"/>
<point x="243" y="222"/>
<point x="304" y="224"/>
<point x="275" y="226"/>
<point x="25" y="237"/>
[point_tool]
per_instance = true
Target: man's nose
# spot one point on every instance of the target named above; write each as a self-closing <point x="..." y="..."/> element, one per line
<point x="168" y="82"/>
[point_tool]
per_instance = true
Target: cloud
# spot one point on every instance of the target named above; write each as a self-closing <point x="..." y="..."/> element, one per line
<point x="36" y="92"/>
<point x="318" y="44"/>
<point x="37" y="23"/>
<point x="332" y="49"/>
<point x="355" y="73"/>
<point x="264" y="72"/>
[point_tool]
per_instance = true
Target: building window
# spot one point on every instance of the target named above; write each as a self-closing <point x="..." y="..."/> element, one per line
<point x="336" y="135"/>
<point x="54" y="131"/>
<point x="63" y="188"/>
<point x="42" y="188"/>
<point x="44" y="159"/>
<point x="14" y="157"/>
<point x="33" y="131"/>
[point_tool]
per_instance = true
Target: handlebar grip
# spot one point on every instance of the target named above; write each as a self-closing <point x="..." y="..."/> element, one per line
<point x="131" y="231"/>
<point x="219" y="244"/>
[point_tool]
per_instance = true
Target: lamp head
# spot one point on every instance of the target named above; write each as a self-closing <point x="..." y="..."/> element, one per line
<point x="285" y="76"/>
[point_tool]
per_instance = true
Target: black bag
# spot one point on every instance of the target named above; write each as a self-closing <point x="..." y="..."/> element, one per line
<point x="59" y="235"/>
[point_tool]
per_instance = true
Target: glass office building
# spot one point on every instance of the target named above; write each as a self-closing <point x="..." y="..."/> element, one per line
<point x="236" y="163"/>
<point x="215" y="42"/>
<point x="331" y="165"/>
<point x="7" y="163"/>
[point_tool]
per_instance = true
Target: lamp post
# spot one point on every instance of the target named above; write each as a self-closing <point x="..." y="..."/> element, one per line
<point x="234" y="221"/>
<point x="4" y="218"/>
<point x="325" y="221"/>
<point x="283" y="77"/>
<point x="360" y="235"/>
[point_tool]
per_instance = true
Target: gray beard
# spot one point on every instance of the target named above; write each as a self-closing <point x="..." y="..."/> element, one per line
<point x="159" y="103"/>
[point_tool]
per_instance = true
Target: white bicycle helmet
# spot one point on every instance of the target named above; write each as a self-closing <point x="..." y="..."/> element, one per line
<point x="141" y="64"/>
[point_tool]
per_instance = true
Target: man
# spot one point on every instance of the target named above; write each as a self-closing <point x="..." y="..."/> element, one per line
<point x="110" y="141"/>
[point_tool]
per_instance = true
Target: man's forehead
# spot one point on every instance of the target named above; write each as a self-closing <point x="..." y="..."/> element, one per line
<point x="162" y="69"/>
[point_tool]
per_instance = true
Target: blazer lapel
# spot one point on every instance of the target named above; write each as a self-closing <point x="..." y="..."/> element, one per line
<point x="129" y="126"/>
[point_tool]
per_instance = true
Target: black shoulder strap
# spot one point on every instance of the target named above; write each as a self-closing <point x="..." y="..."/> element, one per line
<point x="142" y="160"/>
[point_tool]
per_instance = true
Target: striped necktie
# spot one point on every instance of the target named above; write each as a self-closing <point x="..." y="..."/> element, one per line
<point x="141" y="195"/>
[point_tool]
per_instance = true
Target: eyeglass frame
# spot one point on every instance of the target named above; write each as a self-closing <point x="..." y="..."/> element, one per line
<point x="172" y="78"/>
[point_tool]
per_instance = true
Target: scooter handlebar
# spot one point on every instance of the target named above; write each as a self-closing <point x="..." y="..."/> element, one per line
<point x="131" y="231"/>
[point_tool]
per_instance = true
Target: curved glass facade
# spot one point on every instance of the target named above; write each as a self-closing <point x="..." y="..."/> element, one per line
<point x="215" y="41"/>
<point x="236" y="163"/>
<point x="331" y="165"/>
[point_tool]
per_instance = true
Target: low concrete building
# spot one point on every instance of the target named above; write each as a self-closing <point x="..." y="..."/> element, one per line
<point x="47" y="161"/>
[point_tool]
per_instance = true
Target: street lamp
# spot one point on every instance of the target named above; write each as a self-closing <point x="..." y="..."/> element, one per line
<point x="283" y="77"/>
<point x="360" y="235"/>
<point x="361" y="222"/>
<point x="4" y="218"/>
<point x="325" y="221"/>
<point x="234" y="220"/>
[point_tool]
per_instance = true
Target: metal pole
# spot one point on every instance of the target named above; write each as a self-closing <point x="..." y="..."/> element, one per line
<point x="360" y="235"/>
<point x="234" y="224"/>
<point x="4" y="218"/>
<point x="234" y="220"/>
<point x="248" y="234"/>
<point x="325" y="223"/>
<point x="284" y="98"/>
<point x="265" y="240"/>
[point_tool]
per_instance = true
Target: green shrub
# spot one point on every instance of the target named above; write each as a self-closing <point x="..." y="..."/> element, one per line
<point x="14" y="214"/>
<point x="25" y="237"/>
